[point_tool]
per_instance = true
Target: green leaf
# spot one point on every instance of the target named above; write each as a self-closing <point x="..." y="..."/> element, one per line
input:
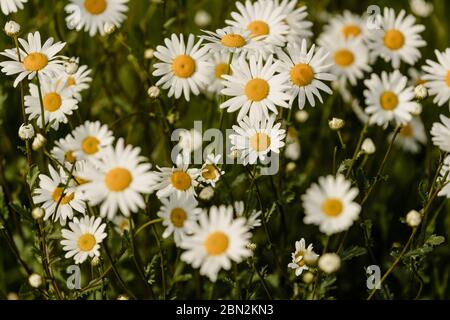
<point x="435" y="240"/>
<point x="32" y="175"/>
<point x="353" y="252"/>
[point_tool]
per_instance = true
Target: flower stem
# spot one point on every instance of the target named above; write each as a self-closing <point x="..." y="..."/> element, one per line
<point x="41" y="102"/>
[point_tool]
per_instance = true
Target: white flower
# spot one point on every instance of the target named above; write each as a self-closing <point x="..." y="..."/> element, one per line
<point x="254" y="139"/>
<point x="179" y="212"/>
<point x="117" y="179"/>
<point x="153" y="92"/>
<point x="71" y="65"/>
<point x="298" y="262"/>
<point x="89" y="139"/>
<point x="230" y="39"/>
<point x="346" y="25"/>
<point x="83" y="238"/>
<point x="210" y="172"/>
<point x="329" y="204"/>
<point x="389" y="99"/>
<point x="77" y="82"/>
<point x="413" y="218"/>
<point x="397" y="38"/>
<point x="38" y="142"/>
<point x="421" y="8"/>
<point x="93" y="15"/>
<point x="255" y="88"/>
<point x="440" y="133"/>
<point x="265" y="21"/>
<point x="206" y="193"/>
<point x="122" y="224"/>
<point x="215" y="241"/>
<point x="35" y="280"/>
<point x="299" y="27"/>
<point x="368" y="147"/>
<point x="445" y="173"/>
<point x="329" y="263"/>
<point x="34" y="58"/>
<point x="52" y="194"/>
<point x="307" y="70"/>
<point x="437" y="77"/>
<point x="202" y="18"/>
<point x="411" y="136"/>
<point x="26" y="131"/>
<point x="218" y="67"/>
<point x="179" y="179"/>
<point x="63" y="151"/>
<point x="253" y="218"/>
<point x="12" y="28"/>
<point x="9" y="6"/>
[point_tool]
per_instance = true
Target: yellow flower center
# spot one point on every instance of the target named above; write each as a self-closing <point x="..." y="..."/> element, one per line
<point x="258" y="28"/>
<point x="81" y="181"/>
<point x="52" y="101"/>
<point x="221" y="69"/>
<point x="233" y="40"/>
<point x="90" y="145"/>
<point x="421" y="81"/>
<point x="124" y="225"/>
<point x="181" y="180"/>
<point x="68" y="156"/>
<point x="447" y="78"/>
<point x="332" y="207"/>
<point x="86" y="242"/>
<point x="260" y="141"/>
<point x="35" y="61"/>
<point x="209" y="172"/>
<point x="350" y="30"/>
<point x="70" y="82"/>
<point x="177" y="217"/>
<point x="183" y="66"/>
<point x="302" y="74"/>
<point x="95" y="7"/>
<point x="257" y="89"/>
<point x="299" y="255"/>
<point x="394" y="39"/>
<point x="216" y="243"/>
<point x="58" y="194"/>
<point x="343" y="58"/>
<point x="406" y="131"/>
<point x="118" y="179"/>
<point x="389" y="100"/>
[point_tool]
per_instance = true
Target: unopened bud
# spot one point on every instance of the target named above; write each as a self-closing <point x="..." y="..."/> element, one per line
<point x="368" y="147"/>
<point x="206" y="193"/>
<point x="35" y="280"/>
<point x="301" y="116"/>
<point x="336" y="124"/>
<point x="149" y="53"/>
<point x="413" y="218"/>
<point x="153" y="92"/>
<point x="38" y="142"/>
<point x="26" y="131"/>
<point x="109" y="28"/>
<point x="12" y="28"/>
<point x="329" y="263"/>
<point x="38" y="213"/>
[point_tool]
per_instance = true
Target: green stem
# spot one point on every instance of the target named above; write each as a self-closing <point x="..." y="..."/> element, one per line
<point x="358" y="146"/>
<point x="41" y="102"/>
<point x="148" y="223"/>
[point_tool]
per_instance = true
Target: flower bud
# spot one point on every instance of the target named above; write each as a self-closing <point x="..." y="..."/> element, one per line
<point x="291" y="166"/>
<point x="202" y="18"/>
<point x="329" y="263"/>
<point x="301" y="116"/>
<point x="95" y="261"/>
<point x="12" y="28"/>
<point x="308" y="277"/>
<point x="26" y="131"/>
<point x="71" y="66"/>
<point x="38" y="213"/>
<point x="153" y="92"/>
<point x="35" y="280"/>
<point x="149" y="53"/>
<point x="38" y="142"/>
<point x="336" y="124"/>
<point x="251" y="246"/>
<point x="417" y="109"/>
<point x="206" y="193"/>
<point x="421" y="92"/>
<point x="123" y="297"/>
<point x="109" y="28"/>
<point x="413" y="218"/>
<point x="368" y="147"/>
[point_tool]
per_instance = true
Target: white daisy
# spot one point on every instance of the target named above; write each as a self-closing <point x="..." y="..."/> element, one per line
<point x="307" y="71"/>
<point x="183" y="67"/>
<point x="350" y="57"/>
<point x="122" y="224"/>
<point x="253" y="218"/>
<point x="63" y="151"/>
<point x="92" y="15"/>
<point x="230" y="39"/>
<point x="117" y="180"/>
<point x="219" y="67"/>
<point x="440" y="133"/>
<point x="255" y="88"/>
<point x="57" y="100"/>
<point x="411" y="136"/>
<point x="347" y="25"/>
<point x="254" y="139"/>
<point x="299" y="27"/>
<point x="90" y="139"/>
<point x="83" y="238"/>
<point x="179" y="211"/>
<point x="265" y="21"/>
<point x="9" y="6"/>
<point x="34" y="58"/>
<point x="445" y="172"/>
<point x="215" y="241"/>
<point x="437" y="77"/>
<point x="51" y="192"/>
<point x="298" y="262"/>
<point x="329" y="204"/>
<point x="179" y="179"/>
<point x="389" y="99"/>
<point x="210" y="172"/>
<point x="77" y="82"/>
<point x="397" y="39"/>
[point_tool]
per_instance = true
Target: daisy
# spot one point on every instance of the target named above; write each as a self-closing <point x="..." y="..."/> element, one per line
<point x="437" y="77"/>
<point x="397" y="39"/>
<point x="57" y="102"/>
<point x="253" y="219"/>
<point x="254" y="139"/>
<point x="77" y="82"/>
<point x="34" y="58"/>
<point x="299" y="27"/>
<point x="179" y="211"/>
<point x="183" y="67"/>
<point x="347" y="25"/>
<point x="411" y="136"/>
<point x="255" y="88"/>
<point x="63" y="151"/>
<point x="83" y="238"/>
<point x="445" y="173"/>
<point x="210" y="172"/>
<point x="179" y="179"/>
<point x="307" y="71"/>
<point x="9" y="6"/>
<point x="117" y="180"/>
<point x="92" y="15"/>
<point x="350" y="57"/>
<point x="215" y="241"/>
<point x="219" y="67"/>
<point x="122" y="224"/>
<point x="52" y="194"/>
<point x="298" y="262"/>
<point x="90" y="139"/>
<point x="230" y="39"/>
<point x="264" y="20"/>
<point x="329" y="204"/>
<point x="440" y="133"/>
<point x="389" y="99"/>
